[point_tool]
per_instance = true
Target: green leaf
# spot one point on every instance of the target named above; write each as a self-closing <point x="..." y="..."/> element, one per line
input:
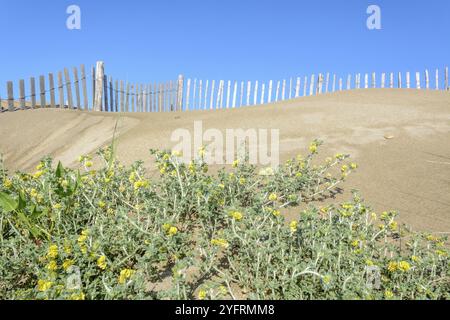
<point x="59" y="170"/>
<point x="8" y="203"/>
<point x="22" y="202"/>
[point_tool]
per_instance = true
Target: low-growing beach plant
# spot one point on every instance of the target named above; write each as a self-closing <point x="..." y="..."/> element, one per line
<point x="114" y="233"/>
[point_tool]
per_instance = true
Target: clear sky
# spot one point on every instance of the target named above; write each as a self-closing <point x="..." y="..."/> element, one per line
<point x="147" y="41"/>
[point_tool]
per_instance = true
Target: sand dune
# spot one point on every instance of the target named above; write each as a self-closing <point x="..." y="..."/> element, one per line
<point x="409" y="172"/>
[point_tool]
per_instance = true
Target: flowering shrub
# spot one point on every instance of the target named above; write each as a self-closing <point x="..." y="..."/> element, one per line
<point x="112" y="233"/>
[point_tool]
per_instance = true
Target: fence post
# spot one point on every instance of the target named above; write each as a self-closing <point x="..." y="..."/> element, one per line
<point x="33" y="92"/>
<point x="228" y="94"/>
<point x="263" y="92"/>
<point x="60" y="90"/>
<point x="437" y="79"/>
<point x="68" y="88"/>
<point x="51" y="82"/>
<point x="418" y="80"/>
<point x="99" y="78"/>
<point x="374" y="80"/>
<point x="10" y="95"/>
<point x="400" y="80"/>
<point x="22" y="94"/>
<point x="84" y="87"/>
<point x="179" y="106"/>
<point x="408" y="80"/>
<point x="446" y="79"/>
<point x="188" y="93"/>
<point x="76" y="83"/>
<point x="42" y="90"/>
<point x="269" y="98"/>
<point x="297" y="88"/>
<point x="255" y="98"/>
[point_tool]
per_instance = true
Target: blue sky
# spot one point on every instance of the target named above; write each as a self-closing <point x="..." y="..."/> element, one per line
<point x="147" y="41"/>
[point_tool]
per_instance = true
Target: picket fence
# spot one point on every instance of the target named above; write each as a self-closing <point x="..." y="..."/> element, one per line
<point x="109" y="95"/>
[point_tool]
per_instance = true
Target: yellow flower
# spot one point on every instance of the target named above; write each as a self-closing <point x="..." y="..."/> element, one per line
<point x="441" y="253"/>
<point x="355" y="243"/>
<point x="235" y="163"/>
<point x="79" y="296"/>
<point x="52" y="252"/>
<point x="404" y="266"/>
<point x="88" y="164"/>
<point x="101" y="262"/>
<point x="393" y="226"/>
<point x="101" y="204"/>
<point x="388" y="294"/>
<point x="177" y="154"/>
<point x="83" y="237"/>
<point x="67" y="264"/>
<point x="313" y="147"/>
<point x="172" y="231"/>
<point x="140" y="184"/>
<point x="166" y="226"/>
<point x="242" y="181"/>
<point x="276" y="213"/>
<point x="353" y="166"/>
<point x="38" y="174"/>
<point x="125" y="274"/>
<point x="220" y="243"/>
<point x="221" y="186"/>
<point x="236" y="215"/>
<point x="44" y="285"/>
<point x="392" y="266"/>
<point x="67" y="248"/>
<point x="293" y="226"/>
<point x="344" y="168"/>
<point x="415" y="259"/>
<point x="7" y="183"/>
<point x="57" y="206"/>
<point x="369" y="263"/>
<point x="273" y="197"/>
<point x="52" y="266"/>
<point x="202" y="294"/>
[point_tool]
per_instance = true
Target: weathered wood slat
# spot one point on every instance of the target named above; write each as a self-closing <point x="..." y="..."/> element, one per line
<point x="51" y="82"/>
<point x="99" y="78"/>
<point x="418" y="80"/>
<point x="311" y="85"/>
<point x="297" y="88"/>
<point x="127" y="99"/>
<point x="116" y="100"/>
<point x="408" y="80"/>
<point x="33" y="92"/>
<point x="283" y="91"/>
<point x="77" y="87"/>
<point x="42" y="91"/>
<point x="277" y="93"/>
<point x="427" y="80"/>
<point x="61" y="90"/>
<point x="269" y="98"/>
<point x="122" y="96"/>
<point x="22" y="94"/>
<point x="249" y="87"/>
<point x="188" y="92"/>
<point x="200" y="94"/>
<point x="84" y="88"/>
<point x="180" y="93"/>
<point x="10" y="89"/>
<point x="242" y="94"/>
<point x="255" y="96"/>
<point x="263" y="92"/>
<point x="235" y="94"/>
<point x="213" y="88"/>
<point x="228" y="94"/>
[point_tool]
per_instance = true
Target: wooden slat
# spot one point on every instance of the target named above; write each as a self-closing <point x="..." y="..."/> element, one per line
<point x="340" y="84"/>
<point x="235" y="94"/>
<point x="408" y="80"/>
<point x="213" y="87"/>
<point x="437" y="79"/>
<point x="400" y="80"/>
<point x="61" y="90"/>
<point x="42" y="91"/>
<point x="105" y="94"/>
<point x="132" y="94"/>
<point x="69" y="89"/>
<point x="418" y="80"/>
<point x="111" y="95"/>
<point x="249" y="88"/>
<point x="51" y="82"/>
<point x="383" y="80"/>
<point x="427" y="80"/>
<point x="127" y="99"/>
<point x="269" y="96"/>
<point x="283" y="90"/>
<point x="327" y="82"/>
<point x="297" y="87"/>
<point x="374" y="80"/>
<point x="33" y="92"/>
<point x="22" y="94"/>
<point x="334" y="83"/>
<point x="228" y="94"/>
<point x="76" y="83"/>
<point x="446" y="79"/>
<point x="206" y="94"/>
<point x="255" y="95"/>
<point x="180" y="93"/>
<point x="219" y="92"/>
<point x="99" y="86"/>
<point x="391" y="80"/>
<point x="116" y="100"/>
<point x="188" y="94"/>
<point x="366" y="81"/>
<point x="93" y="74"/>
<point x="200" y="94"/>
<point x="10" y="88"/>
<point x="84" y="88"/>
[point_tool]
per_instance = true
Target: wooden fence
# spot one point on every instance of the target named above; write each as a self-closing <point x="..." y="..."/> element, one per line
<point x="109" y="95"/>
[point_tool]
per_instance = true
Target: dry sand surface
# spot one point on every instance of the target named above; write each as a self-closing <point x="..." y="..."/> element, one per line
<point x="410" y="172"/>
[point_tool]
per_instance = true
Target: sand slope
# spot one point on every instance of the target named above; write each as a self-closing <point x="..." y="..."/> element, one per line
<point x="409" y="173"/>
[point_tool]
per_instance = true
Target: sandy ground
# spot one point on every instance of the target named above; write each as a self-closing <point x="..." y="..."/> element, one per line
<point x="410" y="172"/>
